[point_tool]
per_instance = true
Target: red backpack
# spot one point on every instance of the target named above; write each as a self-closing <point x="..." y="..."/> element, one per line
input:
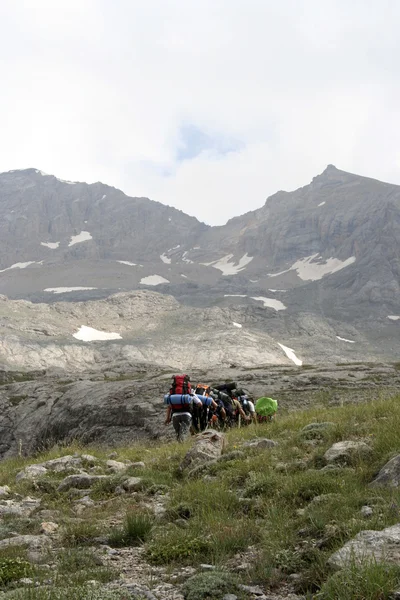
<point x="180" y="385"/>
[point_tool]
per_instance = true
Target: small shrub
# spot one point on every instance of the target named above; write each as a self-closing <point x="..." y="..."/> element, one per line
<point x="180" y="511"/>
<point x="177" y="545"/>
<point x="261" y="484"/>
<point x="206" y="586"/>
<point x="80" y="534"/>
<point x="81" y="592"/>
<point x="366" y="582"/>
<point x="135" y="530"/>
<point x="72" y="560"/>
<point x="12" y="569"/>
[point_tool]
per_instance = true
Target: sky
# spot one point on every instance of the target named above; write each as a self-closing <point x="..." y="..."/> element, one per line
<point x="210" y="106"/>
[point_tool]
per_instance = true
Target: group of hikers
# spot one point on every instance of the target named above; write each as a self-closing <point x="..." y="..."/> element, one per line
<point x="192" y="409"/>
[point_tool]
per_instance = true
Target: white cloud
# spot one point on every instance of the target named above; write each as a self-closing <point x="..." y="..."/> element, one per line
<point x="97" y="90"/>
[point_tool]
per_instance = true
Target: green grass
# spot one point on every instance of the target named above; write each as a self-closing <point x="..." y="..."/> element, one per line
<point x="135" y="530"/>
<point x="276" y="501"/>
<point x="370" y="581"/>
<point x="79" y="592"/>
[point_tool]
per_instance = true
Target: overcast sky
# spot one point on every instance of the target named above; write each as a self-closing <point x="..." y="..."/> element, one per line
<point x="207" y="105"/>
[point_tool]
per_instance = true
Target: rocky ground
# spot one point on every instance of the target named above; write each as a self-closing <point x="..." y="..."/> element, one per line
<point x="272" y="512"/>
<point x="113" y="407"/>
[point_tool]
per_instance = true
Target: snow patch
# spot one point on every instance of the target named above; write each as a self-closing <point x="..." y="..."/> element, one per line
<point x="63" y="290"/>
<point x="19" y="265"/>
<point x="153" y="280"/>
<point x="290" y="354"/>
<point x="308" y="270"/>
<point x="88" y="334"/>
<point x="105" y="196"/>
<point x="185" y="276"/>
<point x="238" y="325"/>
<point x="51" y="245"/>
<point x="277" y="290"/>
<point x="186" y="260"/>
<point x="227" y="266"/>
<point x="253" y="280"/>
<point x="83" y="236"/>
<point x="394" y="317"/>
<point x="344" y="340"/>
<point x="126" y="262"/>
<point x="165" y="259"/>
<point x="41" y="173"/>
<point x="321" y="203"/>
<point x="65" y="181"/>
<point x="270" y="302"/>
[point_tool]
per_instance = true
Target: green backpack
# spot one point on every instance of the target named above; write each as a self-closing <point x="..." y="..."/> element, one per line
<point x="266" y="407"/>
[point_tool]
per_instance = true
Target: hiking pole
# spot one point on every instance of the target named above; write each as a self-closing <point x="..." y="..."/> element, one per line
<point x="239" y="420"/>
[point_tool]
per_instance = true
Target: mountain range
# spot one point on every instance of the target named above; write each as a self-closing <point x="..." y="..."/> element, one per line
<point x="316" y="271"/>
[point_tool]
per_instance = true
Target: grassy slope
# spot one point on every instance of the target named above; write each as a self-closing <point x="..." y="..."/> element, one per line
<point x="263" y="500"/>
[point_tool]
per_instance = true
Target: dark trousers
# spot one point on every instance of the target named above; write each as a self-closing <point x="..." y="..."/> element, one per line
<point x="181" y="423"/>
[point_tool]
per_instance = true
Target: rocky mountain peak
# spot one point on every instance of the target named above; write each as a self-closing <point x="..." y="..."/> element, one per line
<point x="322" y="259"/>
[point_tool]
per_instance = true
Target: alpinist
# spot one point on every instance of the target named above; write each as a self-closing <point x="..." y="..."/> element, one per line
<point x="179" y="403"/>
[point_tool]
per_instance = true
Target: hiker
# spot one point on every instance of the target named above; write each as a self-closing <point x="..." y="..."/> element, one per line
<point x="247" y="405"/>
<point x="208" y="405"/>
<point x="180" y="402"/>
<point x="266" y="409"/>
<point x="179" y="411"/>
<point x="239" y="412"/>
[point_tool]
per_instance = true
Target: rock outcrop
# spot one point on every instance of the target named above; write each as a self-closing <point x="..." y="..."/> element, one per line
<point x="378" y="546"/>
<point x="389" y="475"/>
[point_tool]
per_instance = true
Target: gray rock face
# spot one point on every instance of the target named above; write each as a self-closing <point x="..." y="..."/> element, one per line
<point x="308" y="270"/>
<point x="389" y="475"/>
<point x="346" y="452"/>
<point x="380" y="546"/>
<point x="86" y="410"/>
<point x="58" y="408"/>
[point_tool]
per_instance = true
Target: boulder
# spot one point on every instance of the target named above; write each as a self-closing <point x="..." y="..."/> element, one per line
<point x="48" y="527"/>
<point x="132" y="484"/>
<point x="347" y="452"/>
<point x="367" y="511"/>
<point x="207" y="447"/>
<point x="389" y="475"/>
<point x="378" y="546"/>
<point x="31" y="472"/>
<point x="4" y="491"/>
<point x="316" y="430"/>
<point x="81" y="481"/>
<point x="117" y="467"/>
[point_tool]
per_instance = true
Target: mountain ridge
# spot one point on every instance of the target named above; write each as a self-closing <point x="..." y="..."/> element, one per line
<point x="327" y="254"/>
